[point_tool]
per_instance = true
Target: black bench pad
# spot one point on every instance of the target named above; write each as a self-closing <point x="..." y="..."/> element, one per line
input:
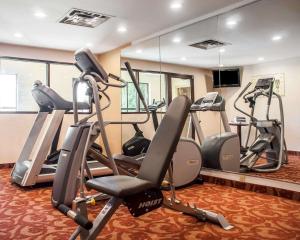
<point x="119" y="185"/>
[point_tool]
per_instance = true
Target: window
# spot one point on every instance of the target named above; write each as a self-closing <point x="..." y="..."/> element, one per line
<point x="152" y="85"/>
<point x="26" y="73"/>
<point x="8" y="92"/>
<point x="129" y="94"/>
<point x="61" y="76"/>
<point x="155" y="86"/>
<point x="18" y="76"/>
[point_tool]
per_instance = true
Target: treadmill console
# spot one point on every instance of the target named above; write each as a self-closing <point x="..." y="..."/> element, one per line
<point x="156" y="105"/>
<point x="208" y="100"/>
<point x="87" y="62"/>
<point x="211" y="102"/>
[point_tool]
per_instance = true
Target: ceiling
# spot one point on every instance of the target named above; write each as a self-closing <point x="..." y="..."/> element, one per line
<point x="248" y="30"/>
<point x="140" y="17"/>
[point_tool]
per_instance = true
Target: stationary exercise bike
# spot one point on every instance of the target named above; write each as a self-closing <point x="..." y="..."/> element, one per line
<point x="138" y="144"/>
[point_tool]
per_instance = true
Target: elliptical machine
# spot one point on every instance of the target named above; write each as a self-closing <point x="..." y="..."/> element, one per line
<point x="270" y="143"/>
<point x="138" y="144"/>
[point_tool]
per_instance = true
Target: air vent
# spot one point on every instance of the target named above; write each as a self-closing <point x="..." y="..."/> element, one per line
<point x="209" y="44"/>
<point x="84" y="18"/>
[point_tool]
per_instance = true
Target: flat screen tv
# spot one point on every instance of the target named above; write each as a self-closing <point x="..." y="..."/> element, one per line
<point x="226" y="78"/>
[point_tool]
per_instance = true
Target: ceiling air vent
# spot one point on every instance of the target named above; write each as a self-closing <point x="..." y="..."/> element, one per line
<point x="209" y="44"/>
<point x="84" y="18"/>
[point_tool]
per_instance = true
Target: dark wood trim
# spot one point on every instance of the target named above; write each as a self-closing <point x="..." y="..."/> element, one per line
<point x="169" y="89"/>
<point x="7" y="165"/>
<point x="18" y="112"/>
<point x="293" y="153"/>
<point x="193" y="100"/>
<point x="192" y="89"/>
<point x="140" y="112"/>
<point x="48" y="74"/>
<point x="36" y="112"/>
<point x="35" y="60"/>
<point x="160" y="72"/>
<point x="138" y="107"/>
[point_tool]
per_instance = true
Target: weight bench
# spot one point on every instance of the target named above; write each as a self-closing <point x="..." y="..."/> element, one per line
<point x="140" y="194"/>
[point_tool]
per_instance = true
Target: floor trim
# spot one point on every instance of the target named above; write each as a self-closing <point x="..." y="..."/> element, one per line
<point x="252" y="180"/>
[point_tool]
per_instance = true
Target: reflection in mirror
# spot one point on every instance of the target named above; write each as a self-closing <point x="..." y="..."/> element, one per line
<point x="181" y="86"/>
<point x="144" y="59"/>
<point x="264" y="46"/>
<point x="189" y="53"/>
<point x="222" y="55"/>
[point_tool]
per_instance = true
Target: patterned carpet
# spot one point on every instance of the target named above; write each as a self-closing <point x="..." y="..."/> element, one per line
<point x="289" y="172"/>
<point x="28" y="214"/>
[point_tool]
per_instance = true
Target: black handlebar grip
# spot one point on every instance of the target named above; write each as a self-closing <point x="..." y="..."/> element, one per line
<point x="83" y="222"/>
<point x="79" y="219"/>
<point x="63" y="209"/>
<point x="134" y="81"/>
<point x="114" y="76"/>
<point x="270" y="93"/>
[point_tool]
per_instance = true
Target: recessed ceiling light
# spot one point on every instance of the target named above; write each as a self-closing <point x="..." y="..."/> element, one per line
<point x="40" y="14"/>
<point x="139" y="51"/>
<point x="222" y="50"/>
<point x="260" y="58"/>
<point x="231" y="23"/>
<point x="89" y="44"/>
<point x="183" y="59"/>
<point x="176" y="5"/>
<point x="276" y="38"/>
<point x="18" y="35"/>
<point x="176" y="40"/>
<point x="122" y="29"/>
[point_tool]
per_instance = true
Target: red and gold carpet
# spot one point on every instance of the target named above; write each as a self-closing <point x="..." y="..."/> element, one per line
<point x="28" y="214"/>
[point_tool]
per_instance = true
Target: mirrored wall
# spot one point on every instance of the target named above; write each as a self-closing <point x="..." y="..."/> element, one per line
<point x="261" y="41"/>
<point x="214" y="60"/>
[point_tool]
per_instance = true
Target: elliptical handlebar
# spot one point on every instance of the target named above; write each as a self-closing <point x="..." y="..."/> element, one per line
<point x="107" y="83"/>
<point x="270" y="93"/>
<point x="239" y="96"/>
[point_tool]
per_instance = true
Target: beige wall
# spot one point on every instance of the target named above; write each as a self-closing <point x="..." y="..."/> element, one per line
<point x="291" y="99"/>
<point x="111" y="63"/>
<point x="14" y="128"/>
<point x="36" y="53"/>
<point x="203" y="84"/>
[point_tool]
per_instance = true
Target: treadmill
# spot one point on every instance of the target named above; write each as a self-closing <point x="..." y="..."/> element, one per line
<point x="37" y="162"/>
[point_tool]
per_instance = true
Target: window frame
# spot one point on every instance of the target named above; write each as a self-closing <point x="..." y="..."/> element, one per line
<point x="128" y="110"/>
<point x="168" y="79"/>
<point x="48" y="77"/>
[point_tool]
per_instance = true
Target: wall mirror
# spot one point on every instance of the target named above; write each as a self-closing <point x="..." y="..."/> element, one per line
<point x="257" y="47"/>
<point x="221" y="55"/>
